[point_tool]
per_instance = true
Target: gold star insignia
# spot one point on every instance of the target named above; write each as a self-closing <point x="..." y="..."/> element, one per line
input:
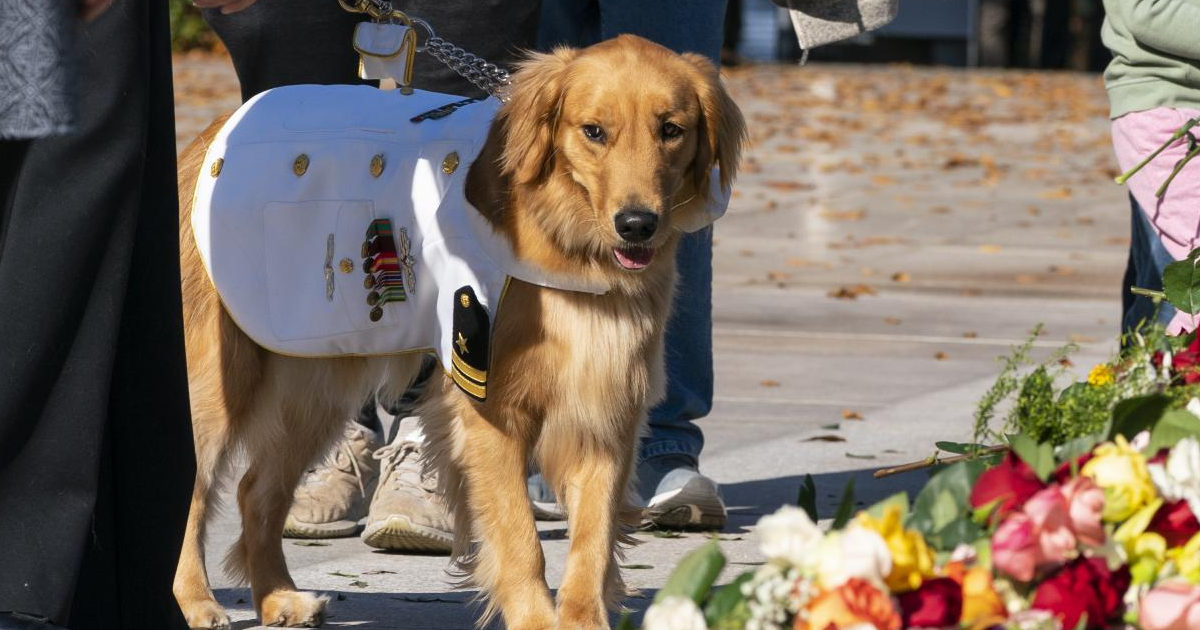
<point x="461" y="342"/>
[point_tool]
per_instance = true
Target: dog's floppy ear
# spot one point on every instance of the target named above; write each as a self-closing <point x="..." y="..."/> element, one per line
<point x="722" y="128"/>
<point x="531" y="114"/>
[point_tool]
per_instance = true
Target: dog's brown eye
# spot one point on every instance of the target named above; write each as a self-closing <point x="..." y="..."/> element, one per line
<point x="671" y="130"/>
<point x="593" y="133"/>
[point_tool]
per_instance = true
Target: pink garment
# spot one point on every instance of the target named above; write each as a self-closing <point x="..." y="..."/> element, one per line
<point x="1176" y="216"/>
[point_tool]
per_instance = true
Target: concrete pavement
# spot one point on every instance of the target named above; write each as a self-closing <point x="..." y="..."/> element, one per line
<point x="893" y="231"/>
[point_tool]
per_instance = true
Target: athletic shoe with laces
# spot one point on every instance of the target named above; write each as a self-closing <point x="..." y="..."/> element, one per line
<point x="332" y="497"/>
<point x="679" y="496"/>
<point x="406" y="513"/>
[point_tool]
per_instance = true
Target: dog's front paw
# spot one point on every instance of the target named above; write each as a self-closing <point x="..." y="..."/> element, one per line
<point x="205" y="613"/>
<point x="293" y="609"/>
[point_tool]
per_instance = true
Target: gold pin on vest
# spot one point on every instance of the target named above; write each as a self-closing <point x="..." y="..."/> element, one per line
<point x="465" y="300"/>
<point x="450" y="164"/>
<point x="346" y="265"/>
<point x="216" y="167"/>
<point x="300" y="165"/>
<point x="377" y="165"/>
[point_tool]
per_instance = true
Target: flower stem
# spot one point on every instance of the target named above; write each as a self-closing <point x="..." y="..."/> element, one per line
<point x="936" y="461"/>
<point x="1179" y="133"/>
<point x="1193" y="149"/>
<point x="1150" y="293"/>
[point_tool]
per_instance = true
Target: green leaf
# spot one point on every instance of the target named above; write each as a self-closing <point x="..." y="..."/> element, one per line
<point x="727" y="605"/>
<point x="807" y="498"/>
<point x="695" y="574"/>
<point x="900" y="499"/>
<point x="945" y="499"/>
<point x="626" y="622"/>
<point x="1039" y="457"/>
<point x="959" y="448"/>
<point x="1174" y="426"/>
<point x="1134" y="415"/>
<point x="1077" y="447"/>
<point x="958" y="532"/>
<point x="1083" y="624"/>
<point x="983" y="513"/>
<point x="846" y="507"/>
<point x="1181" y="283"/>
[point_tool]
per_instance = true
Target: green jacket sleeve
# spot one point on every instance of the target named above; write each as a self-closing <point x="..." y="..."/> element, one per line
<point x="1170" y="26"/>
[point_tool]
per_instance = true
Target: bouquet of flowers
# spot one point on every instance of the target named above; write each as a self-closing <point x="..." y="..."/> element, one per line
<point x="1082" y="515"/>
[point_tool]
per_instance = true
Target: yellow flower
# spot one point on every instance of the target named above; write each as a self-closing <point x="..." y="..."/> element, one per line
<point x="981" y="607"/>
<point x="1101" y="375"/>
<point x="1121" y="471"/>
<point x="1187" y="559"/>
<point x="912" y="561"/>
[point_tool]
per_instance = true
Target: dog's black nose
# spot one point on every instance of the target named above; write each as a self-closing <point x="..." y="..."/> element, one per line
<point x="636" y="226"/>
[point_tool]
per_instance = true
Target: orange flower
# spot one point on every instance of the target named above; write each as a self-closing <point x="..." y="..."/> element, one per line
<point x="982" y="606"/>
<point x="855" y="602"/>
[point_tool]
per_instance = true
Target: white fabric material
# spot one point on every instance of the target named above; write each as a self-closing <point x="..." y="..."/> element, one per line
<point x="264" y="232"/>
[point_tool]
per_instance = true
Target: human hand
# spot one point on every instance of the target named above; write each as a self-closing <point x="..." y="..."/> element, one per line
<point x="89" y="9"/>
<point x="226" y="6"/>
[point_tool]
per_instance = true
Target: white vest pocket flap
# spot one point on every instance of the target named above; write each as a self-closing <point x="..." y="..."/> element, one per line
<point x="309" y="293"/>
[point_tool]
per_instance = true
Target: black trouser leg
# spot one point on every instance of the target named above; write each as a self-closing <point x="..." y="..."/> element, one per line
<point x="96" y="461"/>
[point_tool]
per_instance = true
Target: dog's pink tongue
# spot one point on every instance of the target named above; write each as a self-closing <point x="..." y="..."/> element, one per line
<point x="634" y="257"/>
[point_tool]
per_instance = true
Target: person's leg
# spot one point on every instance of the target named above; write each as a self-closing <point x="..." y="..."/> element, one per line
<point x="95" y="442"/>
<point x="1147" y="259"/>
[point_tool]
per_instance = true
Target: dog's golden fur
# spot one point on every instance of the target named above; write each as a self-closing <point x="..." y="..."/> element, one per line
<point x="572" y="374"/>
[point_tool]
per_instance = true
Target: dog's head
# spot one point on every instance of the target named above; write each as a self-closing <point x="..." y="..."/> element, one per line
<point x="608" y="149"/>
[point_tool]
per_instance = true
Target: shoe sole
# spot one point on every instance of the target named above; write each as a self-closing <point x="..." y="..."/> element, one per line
<point x="335" y="529"/>
<point x="546" y="511"/>
<point x="697" y="505"/>
<point x="398" y="533"/>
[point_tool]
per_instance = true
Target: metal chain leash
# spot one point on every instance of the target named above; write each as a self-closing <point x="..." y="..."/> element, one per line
<point x="483" y="74"/>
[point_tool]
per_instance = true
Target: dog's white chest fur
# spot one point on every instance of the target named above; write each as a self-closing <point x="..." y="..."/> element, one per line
<point x="288" y="217"/>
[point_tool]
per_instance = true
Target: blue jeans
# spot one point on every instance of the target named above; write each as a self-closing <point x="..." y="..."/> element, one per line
<point x="684" y="26"/>
<point x="1147" y="258"/>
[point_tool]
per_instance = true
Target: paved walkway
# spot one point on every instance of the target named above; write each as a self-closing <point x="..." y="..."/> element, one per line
<point x="894" y="230"/>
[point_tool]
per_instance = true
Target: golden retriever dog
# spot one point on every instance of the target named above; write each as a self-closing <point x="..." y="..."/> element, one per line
<point x="584" y="170"/>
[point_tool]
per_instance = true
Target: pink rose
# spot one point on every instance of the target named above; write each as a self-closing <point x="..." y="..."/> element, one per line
<point x="1052" y="526"/>
<point x="1171" y="605"/>
<point x="1041" y="535"/>
<point x="1015" y="548"/>
<point x="1085" y="502"/>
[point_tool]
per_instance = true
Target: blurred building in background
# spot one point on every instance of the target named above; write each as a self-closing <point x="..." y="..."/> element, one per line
<point x="998" y="33"/>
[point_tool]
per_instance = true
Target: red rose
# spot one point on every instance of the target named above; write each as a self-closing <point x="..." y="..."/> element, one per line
<point x="1175" y="522"/>
<point x="1084" y="586"/>
<point x="1187" y="362"/>
<point x="1011" y="481"/>
<point x="937" y="604"/>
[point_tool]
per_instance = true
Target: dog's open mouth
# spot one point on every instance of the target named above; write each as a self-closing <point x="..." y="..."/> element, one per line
<point x="633" y="258"/>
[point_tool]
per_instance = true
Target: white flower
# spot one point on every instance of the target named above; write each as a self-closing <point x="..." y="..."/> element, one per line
<point x="853" y="552"/>
<point x="1140" y="441"/>
<point x="1180" y="478"/>
<point x="789" y="535"/>
<point x="674" y="613"/>
<point x="1034" y="620"/>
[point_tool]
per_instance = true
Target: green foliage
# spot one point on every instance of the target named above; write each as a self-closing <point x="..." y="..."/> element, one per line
<point x="188" y="30"/>
<point x="1037" y="413"/>
<point x="695" y="574"/>
<point x="1006" y="383"/>
<point x="806" y="499"/>
<point x="727" y="608"/>
<point x="942" y="510"/>
<point x="846" y="508"/>
<point x="1181" y="283"/>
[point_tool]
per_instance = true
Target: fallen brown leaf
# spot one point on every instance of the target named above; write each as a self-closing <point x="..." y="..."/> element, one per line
<point x="849" y="414"/>
<point x="940" y="356"/>
<point x="891" y="321"/>
<point x="769" y="383"/>
<point x="825" y="438"/>
<point x="901" y="276"/>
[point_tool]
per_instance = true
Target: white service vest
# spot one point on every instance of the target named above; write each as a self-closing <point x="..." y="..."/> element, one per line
<point x="290" y="189"/>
